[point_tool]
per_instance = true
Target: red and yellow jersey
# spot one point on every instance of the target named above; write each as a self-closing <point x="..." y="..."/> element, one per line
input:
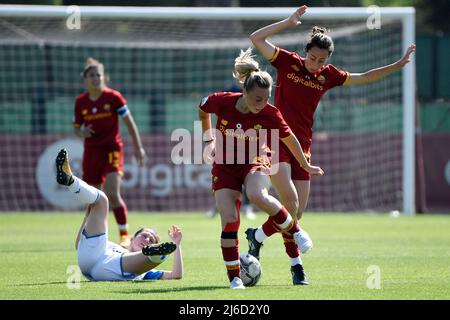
<point x="233" y="123"/>
<point x="298" y="91"/>
<point x="102" y="115"/>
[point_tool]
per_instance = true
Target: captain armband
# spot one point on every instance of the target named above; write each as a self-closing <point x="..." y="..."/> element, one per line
<point x="123" y="111"/>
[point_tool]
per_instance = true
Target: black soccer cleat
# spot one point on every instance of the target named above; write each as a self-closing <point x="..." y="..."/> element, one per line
<point x="160" y="249"/>
<point x="298" y="275"/>
<point x="253" y="245"/>
<point x="63" y="172"/>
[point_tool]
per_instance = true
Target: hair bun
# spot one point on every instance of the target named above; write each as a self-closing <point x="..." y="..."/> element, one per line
<point x="316" y="30"/>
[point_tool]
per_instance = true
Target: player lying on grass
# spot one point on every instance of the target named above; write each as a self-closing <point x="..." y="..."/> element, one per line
<point x="102" y="260"/>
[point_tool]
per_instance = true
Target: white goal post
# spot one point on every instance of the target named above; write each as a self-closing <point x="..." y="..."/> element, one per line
<point x="404" y="14"/>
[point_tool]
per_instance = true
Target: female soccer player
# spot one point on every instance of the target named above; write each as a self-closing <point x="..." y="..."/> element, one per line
<point x="96" y="121"/>
<point x="236" y="113"/>
<point x="301" y="82"/>
<point x="102" y="260"/>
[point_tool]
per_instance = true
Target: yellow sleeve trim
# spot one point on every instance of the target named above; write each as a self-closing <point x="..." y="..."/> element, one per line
<point x="275" y="55"/>
<point x="290" y="134"/>
<point x="346" y="80"/>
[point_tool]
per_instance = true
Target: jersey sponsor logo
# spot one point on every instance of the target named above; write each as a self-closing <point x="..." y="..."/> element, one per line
<point x="91" y="117"/>
<point x="249" y="135"/>
<point x="306" y="83"/>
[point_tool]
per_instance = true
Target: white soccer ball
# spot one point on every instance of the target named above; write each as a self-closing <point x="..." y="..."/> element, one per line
<point x="250" y="269"/>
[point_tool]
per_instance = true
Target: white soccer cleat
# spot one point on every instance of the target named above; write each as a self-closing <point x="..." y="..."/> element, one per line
<point x="237" y="283"/>
<point x="303" y="241"/>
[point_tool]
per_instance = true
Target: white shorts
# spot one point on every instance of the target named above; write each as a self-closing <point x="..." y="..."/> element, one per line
<point x="100" y="260"/>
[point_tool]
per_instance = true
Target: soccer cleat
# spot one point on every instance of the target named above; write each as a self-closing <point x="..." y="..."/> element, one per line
<point x="298" y="275"/>
<point x="160" y="249"/>
<point x="63" y="172"/>
<point x="253" y="245"/>
<point x="303" y="241"/>
<point x="125" y="241"/>
<point x="237" y="283"/>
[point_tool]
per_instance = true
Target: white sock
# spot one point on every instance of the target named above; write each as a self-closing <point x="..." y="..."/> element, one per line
<point x="85" y="193"/>
<point x="295" y="261"/>
<point x="260" y="236"/>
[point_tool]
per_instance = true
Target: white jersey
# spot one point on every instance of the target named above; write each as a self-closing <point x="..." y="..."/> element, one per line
<point x="101" y="260"/>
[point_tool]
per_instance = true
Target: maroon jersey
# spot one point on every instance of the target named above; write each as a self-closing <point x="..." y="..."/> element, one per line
<point x="102" y="115"/>
<point x="299" y="91"/>
<point x="233" y="123"/>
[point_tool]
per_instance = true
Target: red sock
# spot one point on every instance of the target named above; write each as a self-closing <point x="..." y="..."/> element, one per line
<point x="270" y="227"/>
<point x="120" y="213"/>
<point x="290" y="245"/>
<point x="231" y="258"/>
<point x="281" y="217"/>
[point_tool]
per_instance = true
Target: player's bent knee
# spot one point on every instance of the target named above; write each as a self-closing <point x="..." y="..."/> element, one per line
<point x="257" y="198"/>
<point x="102" y="199"/>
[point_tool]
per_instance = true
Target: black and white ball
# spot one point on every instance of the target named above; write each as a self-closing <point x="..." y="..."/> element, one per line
<point x="250" y="269"/>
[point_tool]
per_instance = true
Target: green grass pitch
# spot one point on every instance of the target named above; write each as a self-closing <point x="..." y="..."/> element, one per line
<point x="412" y="255"/>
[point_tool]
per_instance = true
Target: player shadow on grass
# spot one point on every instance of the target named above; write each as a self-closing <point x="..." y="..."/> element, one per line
<point x="166" y="290"/>
<point x="45" y="283"/>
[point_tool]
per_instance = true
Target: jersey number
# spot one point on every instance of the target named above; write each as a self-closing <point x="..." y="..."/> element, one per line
<point x="113" y="158"/>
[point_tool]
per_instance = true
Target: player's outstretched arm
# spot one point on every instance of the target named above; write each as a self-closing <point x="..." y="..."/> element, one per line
<point x="259" y="37"/>
<point x="175" y="234"/>
<point x="294" y="146"/>
<point x="379" y="73"/>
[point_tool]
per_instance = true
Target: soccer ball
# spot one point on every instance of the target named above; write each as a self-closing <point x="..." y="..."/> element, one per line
<point x="250" y="269"/>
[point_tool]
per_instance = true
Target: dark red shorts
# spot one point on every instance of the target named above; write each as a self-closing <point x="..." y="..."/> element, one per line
<point x="232" y="176"/>
<point x="297" y="172"/>
<point x="99" y="161"/>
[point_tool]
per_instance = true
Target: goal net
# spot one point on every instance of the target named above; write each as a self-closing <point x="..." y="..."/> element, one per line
<point x="164" y="60"/>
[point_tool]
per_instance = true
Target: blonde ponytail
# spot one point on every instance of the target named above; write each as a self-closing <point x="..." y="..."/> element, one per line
<point x="247" y="72"/>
